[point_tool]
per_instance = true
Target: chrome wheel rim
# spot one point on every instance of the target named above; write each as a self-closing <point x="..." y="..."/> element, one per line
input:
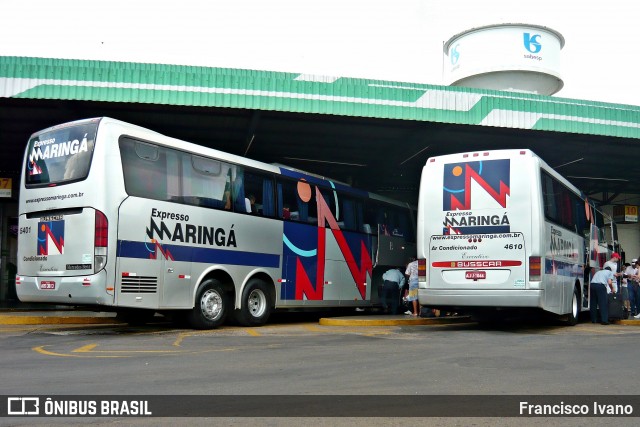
<point x="211" y="304"/>
<point x="257" y="303"/>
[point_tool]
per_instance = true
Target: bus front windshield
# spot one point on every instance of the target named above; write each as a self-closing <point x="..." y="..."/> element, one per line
<point x="60" y="155"/>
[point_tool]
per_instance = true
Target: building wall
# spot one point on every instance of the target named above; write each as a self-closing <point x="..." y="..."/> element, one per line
<point x="629" y="237"/>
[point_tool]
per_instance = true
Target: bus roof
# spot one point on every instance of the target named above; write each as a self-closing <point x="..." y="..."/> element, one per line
<point x="508" y="153"/>
<point x="156" y="137"/>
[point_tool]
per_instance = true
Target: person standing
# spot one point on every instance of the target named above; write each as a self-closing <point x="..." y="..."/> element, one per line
<point x="600" y="283"/>
<point x="627" y="287"/>
<point x="393" y="281"/>
<point x="633" y="287"/>
<point x="412" y="273"/>
<point x="613" y="266"/>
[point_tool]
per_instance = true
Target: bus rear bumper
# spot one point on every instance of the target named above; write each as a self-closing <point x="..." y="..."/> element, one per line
<point x="90" y="289"/>
<point x="485" y="298"/>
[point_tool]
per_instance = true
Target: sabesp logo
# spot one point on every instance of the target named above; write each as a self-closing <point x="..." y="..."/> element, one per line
<point x="454" y="55"/>
<point x="531" y="43"/>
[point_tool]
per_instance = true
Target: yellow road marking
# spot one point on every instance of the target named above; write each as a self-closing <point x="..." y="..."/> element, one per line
<point x="253" y="332"/>
<point x="85" y="349"/>
<point x="41" y="350"/>
<point x="89" y="351"/>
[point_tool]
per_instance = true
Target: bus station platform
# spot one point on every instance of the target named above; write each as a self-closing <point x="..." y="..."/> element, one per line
<point x="37" y="314"/>
<point x="27" y="314"/>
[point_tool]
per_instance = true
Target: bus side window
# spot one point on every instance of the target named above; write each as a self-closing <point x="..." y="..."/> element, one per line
<point x="352" y="213"/>
<point x="580" y="221"/>
<point x="290" y="207"/>
<point x="144" y="167"/>
<point x="374" y="217"/>
<point x="296" y="201"/>
<point x="206" y="182"/>
<point x="258" y="191"/>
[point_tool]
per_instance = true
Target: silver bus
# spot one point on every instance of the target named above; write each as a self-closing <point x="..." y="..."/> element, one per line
<point x="501" y="230"/>
<point x="117" y="217"/>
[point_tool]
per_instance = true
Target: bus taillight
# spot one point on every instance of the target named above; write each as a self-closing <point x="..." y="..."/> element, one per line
<point x="422" y="271"/>
<point x="101" y="241"/>
<point x="102" y="230"/>
<point x="535" y="269"/>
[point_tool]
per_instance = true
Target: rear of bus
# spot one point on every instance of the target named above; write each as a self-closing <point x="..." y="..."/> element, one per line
<point x="63" y="226"/>
<point x="478" y="237"/>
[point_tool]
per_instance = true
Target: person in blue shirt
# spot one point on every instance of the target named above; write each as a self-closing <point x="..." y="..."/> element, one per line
<point x="600" y="281"/>
<point x="393" y="282"/>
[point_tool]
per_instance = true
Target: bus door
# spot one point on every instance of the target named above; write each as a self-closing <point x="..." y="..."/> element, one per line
<point x="348" y="266"/>
<point x="392" y="252"/>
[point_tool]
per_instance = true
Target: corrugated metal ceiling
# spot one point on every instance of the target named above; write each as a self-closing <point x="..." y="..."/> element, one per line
<point x="336" y="127"/>
<point x="61" y="79"/>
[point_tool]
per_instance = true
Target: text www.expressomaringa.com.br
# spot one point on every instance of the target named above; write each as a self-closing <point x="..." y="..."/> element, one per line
<point x="56" y="197"/>
<point x="477" y="236"/>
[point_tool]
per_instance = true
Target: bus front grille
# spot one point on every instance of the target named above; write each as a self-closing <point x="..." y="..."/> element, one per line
<point x="139" y="285"/>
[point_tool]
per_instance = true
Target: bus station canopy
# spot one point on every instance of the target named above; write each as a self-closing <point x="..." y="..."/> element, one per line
<point x="372" y="133"/>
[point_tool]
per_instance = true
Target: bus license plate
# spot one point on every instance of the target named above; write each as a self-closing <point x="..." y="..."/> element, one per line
<point x="45" y="284"/>
<point x="475" y="275"/>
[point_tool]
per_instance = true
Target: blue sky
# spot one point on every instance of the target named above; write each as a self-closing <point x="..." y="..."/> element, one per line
<point x="399" y="41"/>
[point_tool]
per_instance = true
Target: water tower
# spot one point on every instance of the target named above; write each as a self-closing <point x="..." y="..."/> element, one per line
<point x="511" y="57"/>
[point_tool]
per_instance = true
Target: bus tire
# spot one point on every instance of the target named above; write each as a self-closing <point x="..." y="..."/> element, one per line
<point x="574" y="314"/>
<point x="211" y="306"/>
<point x="255" y="307"/>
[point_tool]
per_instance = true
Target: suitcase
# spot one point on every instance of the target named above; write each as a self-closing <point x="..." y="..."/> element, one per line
<point x="616" y="308"/>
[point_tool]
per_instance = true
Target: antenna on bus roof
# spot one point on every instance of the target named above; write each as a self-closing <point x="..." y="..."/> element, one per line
<point x="569" y="163"/>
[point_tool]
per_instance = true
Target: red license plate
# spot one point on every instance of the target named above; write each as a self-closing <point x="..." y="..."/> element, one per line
<point x="45" y="284"/>
<point x="475" y="275"/>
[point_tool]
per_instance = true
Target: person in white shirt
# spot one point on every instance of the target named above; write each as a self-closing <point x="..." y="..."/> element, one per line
<point x="613" y="266"/>
<point x="393" y="281"/>
<point x="601" y="284"/>
<point x="633" y="289"/>
<point x="412" y="273"/>
<point x="627" y="279"/>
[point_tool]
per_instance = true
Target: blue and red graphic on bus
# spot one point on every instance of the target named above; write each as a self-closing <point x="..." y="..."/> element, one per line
<point x="480" y="186"/>
<point x="307" y="253"/>
<point x="51" y="238"/>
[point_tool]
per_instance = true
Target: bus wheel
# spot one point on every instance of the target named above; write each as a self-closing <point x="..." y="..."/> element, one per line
<point x="572" y="317"/>
<point x="256" y="304"/>
<point x="211" y="306"/>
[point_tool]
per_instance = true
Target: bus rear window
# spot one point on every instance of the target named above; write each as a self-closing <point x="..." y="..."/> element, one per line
<point x="60" y="155"/>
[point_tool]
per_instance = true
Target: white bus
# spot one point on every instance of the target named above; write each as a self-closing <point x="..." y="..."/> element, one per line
<point x="501" y="230"/>
<point x="118" y="217"/>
